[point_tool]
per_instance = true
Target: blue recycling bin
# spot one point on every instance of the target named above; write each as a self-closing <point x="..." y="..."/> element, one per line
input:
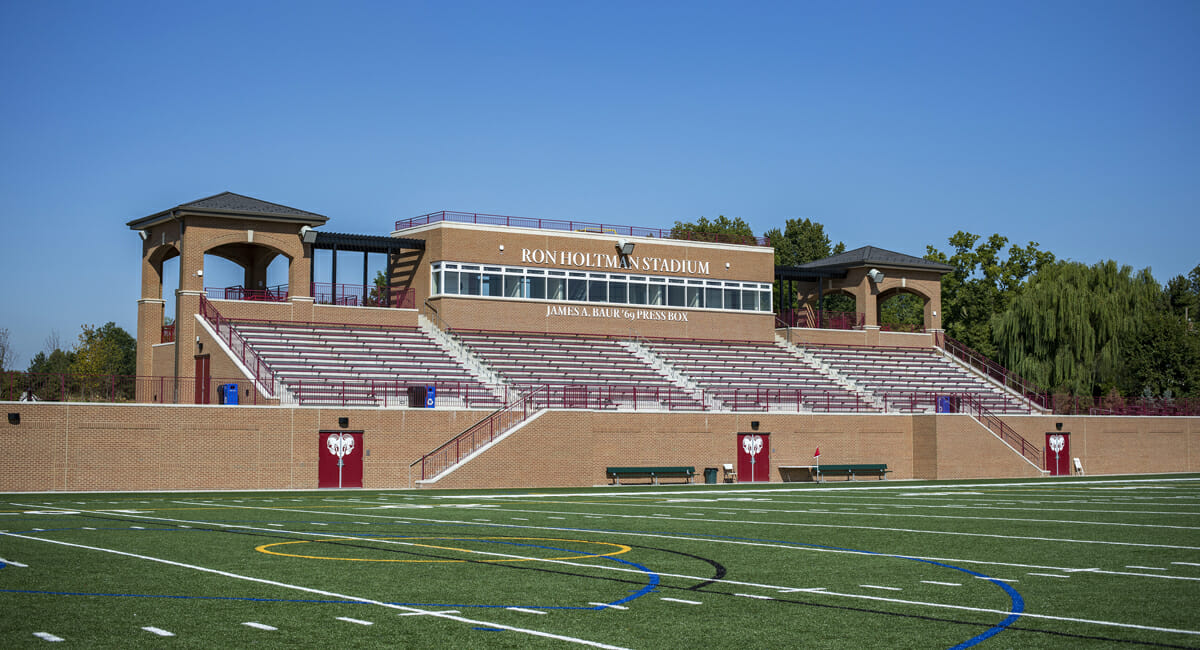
<point x="228" y="393"/>
<point x="430" y="397"/>
<point x="945" y="404"/>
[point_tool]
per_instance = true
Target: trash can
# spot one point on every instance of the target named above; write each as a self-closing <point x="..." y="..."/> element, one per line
<point x="430" y="397"/>
<point x="416" y="397"/>
<point x="710" y="476"/>
<point x="228" y="393"/>
<point x="945" y="404"/>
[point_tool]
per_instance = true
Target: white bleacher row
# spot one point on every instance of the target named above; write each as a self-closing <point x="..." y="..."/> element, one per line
<point x="373" y="366"/>
<point x="917" y="375"/>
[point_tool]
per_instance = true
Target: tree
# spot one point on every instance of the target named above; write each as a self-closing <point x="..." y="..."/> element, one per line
<point x="801" y="241"/>
<point x="7" y="357"/>
<point x="902" y="312"/>
<point x="105" y="350"/>
<point x="1065" y="331"/>
<point x="56" y="362"/>
<point x="720" y="229"/>
<point x="982" y="285"/>
<point x="1161" y="358"/>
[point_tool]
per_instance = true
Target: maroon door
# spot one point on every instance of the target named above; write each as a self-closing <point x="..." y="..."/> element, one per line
<point x="754" y="457"/>
<point x="203" y="379"/>
<point x="1058" y="453"/>
<point x="340" y="459"/>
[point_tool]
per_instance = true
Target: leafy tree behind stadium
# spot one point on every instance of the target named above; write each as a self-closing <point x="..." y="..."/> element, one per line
<point x="983" y="284"/>
<point x="105" y="350"/>
<point x="1162" y="357"/>
<point x="802" y="241"/>
<point x="1068" y="330"/>
<point x="720" y="229"/>
<point x="7" y="358"/>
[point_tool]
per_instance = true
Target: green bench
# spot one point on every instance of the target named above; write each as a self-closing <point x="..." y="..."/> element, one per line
<point x="652" y="473"/>
<point x="851" y="470"/>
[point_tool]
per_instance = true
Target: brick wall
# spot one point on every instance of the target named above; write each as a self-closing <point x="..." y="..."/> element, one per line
<point x="143" y="447"/>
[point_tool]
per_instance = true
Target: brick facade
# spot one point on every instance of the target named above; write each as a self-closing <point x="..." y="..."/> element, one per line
<point x="141" y="447"/>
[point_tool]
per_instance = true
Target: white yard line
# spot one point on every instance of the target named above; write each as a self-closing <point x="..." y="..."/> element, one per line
<point x="158" y="630"/>
<point x="323" y="592"/>
<point x="260" y="626"/>
<point x="680" y="600"/>
<point x="354" y="620"/>
<point x="777" y="588"/>
<point x="46" y="636"/>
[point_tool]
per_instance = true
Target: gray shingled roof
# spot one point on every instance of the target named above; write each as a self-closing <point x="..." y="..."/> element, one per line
<point x="872" y="256"/>
<point x="228" y="203"/>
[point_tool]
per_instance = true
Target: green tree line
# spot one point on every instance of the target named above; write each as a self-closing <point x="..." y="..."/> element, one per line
<point x="1070" y="328"/>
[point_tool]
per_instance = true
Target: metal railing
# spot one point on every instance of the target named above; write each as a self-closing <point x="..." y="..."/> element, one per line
<point x="477" y="435"/>
<point x="359" y="295"/>
<point x="993" y="370"/>
<point x="908" y="328"/>
<point x="238" y="346"/>
<point x="1072" y="405"/>
<point x="971" y="405"/>
<point x="324" y="293"/>
<point x="389" y="393"/>
<point x="116" y="389"/>
<point x="278" y="293"/>
<point x="576" y="226"/>
<point x="828" y="320"/>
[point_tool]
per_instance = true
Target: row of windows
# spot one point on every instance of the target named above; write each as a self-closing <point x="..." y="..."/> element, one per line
<point x="451" y="278"/>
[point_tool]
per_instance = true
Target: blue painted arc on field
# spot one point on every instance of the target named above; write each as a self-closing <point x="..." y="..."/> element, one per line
<point x="1016" y="601"/>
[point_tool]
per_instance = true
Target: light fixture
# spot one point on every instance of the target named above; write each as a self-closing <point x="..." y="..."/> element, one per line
<point x="501" y="248"/>
<point x="876" y="275"/>
<point x="625" y="247"/>
<point x="144" y="235"/>
<point x="308" y="235"/>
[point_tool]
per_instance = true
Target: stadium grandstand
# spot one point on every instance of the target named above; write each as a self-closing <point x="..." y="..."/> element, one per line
<point x="499" y="351"/>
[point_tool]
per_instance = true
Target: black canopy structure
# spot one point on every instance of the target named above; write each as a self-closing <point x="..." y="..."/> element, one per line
<point x="365" y="244"/>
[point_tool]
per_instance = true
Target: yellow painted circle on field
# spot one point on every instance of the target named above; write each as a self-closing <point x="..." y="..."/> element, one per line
<point x="620" y="548"/>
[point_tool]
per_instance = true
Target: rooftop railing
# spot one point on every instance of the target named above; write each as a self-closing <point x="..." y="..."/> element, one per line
<point x="827" y="320"/>
<point x="577" y="226"/>
<point x="324" y="293"/>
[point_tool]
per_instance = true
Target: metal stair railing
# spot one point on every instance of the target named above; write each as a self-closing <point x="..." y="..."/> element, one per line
<point x="454" y="450"/>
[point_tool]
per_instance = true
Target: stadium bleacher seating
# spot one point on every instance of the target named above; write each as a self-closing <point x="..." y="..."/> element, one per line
<point x="370" y="366"/>
<point x="757" y="376"/>
<point x="910" y="379"/>
<point x="603" y="367"/>
<point x="375" y="366"/>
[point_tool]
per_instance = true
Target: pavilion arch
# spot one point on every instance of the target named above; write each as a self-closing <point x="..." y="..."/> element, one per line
<point x="153" y="276"/>
<point x="873" y="276"/>
<point x="254" y="258"/>
<point x="906" y="322"/>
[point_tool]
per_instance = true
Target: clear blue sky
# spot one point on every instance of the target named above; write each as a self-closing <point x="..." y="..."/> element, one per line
<point x="1073" y="124"/>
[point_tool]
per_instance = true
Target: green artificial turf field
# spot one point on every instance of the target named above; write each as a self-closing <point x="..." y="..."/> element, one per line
<point x="1108" y="562"/>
